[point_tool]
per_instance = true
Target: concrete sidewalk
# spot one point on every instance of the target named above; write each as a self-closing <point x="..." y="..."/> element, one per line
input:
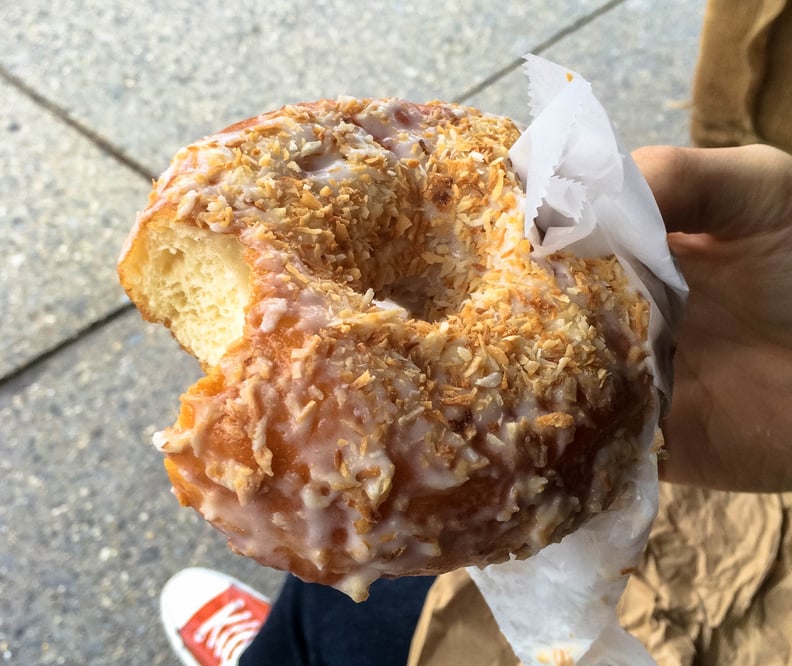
<point x="94" y="99"/>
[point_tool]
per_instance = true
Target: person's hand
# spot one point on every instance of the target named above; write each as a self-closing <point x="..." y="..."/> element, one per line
<point x="729" y="215"/>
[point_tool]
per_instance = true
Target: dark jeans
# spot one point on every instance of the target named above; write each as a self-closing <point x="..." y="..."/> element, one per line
<point x="314" y="625"/>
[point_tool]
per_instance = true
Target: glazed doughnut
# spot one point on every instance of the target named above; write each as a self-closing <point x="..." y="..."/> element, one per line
<point x="394" y="385"/>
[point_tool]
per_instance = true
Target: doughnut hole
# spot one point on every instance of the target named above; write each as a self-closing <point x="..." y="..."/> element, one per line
<point x="197" y="283"/>
<point x="429" y="281"/>
<point x="423" y="297"/>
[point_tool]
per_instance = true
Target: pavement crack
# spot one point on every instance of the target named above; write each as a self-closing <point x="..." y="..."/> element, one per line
<point x="540" y="48"/>
<point x="37" y="361"/>
<point x="61" y="114"/>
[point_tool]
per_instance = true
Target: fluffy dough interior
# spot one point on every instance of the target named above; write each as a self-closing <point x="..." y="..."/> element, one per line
<point x="198" y="283"/>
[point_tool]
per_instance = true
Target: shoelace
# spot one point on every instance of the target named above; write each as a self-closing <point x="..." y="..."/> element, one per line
<point x="228" y="631"/>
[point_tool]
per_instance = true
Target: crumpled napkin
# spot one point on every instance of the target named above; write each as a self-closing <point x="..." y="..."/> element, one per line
<point x="585" y="194"/>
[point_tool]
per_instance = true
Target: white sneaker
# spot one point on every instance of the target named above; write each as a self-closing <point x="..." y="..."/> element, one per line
<point x="210" y="618"/>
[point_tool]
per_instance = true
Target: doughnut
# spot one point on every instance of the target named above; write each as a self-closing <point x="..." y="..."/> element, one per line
<point x="394" y="385"/>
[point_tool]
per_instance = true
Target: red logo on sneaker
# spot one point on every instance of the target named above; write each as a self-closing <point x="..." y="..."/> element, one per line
<point x="223" y="627"/>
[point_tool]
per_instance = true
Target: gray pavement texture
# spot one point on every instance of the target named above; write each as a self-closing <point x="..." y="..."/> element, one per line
<point x="94" y="99"/>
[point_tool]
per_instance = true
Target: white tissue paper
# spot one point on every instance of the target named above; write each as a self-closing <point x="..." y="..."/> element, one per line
<point x="584" y="193"/>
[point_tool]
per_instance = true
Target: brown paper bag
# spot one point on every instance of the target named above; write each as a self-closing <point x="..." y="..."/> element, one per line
<point x="456" y="627"/>
<point x="714" y="587"/>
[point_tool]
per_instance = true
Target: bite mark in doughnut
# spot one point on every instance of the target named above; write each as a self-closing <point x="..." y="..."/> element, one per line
<point x="394" y="384"/>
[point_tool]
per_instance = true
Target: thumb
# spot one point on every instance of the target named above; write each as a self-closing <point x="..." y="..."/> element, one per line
<point x="726" y="192"/>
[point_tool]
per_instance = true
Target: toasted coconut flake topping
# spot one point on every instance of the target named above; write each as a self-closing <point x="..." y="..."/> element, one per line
<point x="420" y="393"/>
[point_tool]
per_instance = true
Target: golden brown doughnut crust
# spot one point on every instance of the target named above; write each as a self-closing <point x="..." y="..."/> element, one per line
<point x="407" y="391"/>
